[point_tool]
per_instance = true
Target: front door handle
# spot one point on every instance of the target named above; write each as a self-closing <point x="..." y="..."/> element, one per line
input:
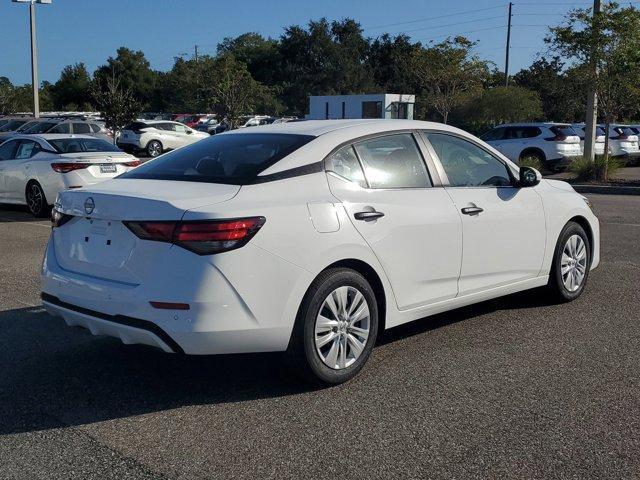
<point x="368" y="216"/>
<point x="472" y="210"/>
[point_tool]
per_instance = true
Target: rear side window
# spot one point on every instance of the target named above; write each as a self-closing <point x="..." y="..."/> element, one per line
<point x="345" y="163"/>
<point x="522" y="132"/>
<point x="80" y="145"/>
<point x="235" y="159"/>
<point x="95" y="128"/>
<point x="135" y="126"/>
<point x="41" y="127"/>
<point x="27" y="149"/>
<point x="393" y="161"/>
<point x="7" y="149"/>
<point x="81" y="128"/>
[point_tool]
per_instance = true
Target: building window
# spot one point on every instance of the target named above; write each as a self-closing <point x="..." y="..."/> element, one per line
<point x="326" y="110"/>
<point x="343" y="109"/>
<point x="371" y="109"/>
<point x="400" y="110"/>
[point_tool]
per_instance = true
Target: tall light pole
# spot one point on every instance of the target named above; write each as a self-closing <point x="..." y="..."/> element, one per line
<point x="592" y="108"/>
<point x="506" y="57"/>
<point x="34" y="52"/>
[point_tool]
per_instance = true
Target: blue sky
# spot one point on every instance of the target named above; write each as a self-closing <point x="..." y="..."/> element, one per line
<point x="89" y="31"/>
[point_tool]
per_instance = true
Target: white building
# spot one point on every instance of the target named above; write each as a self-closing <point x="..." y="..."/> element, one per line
<point x="378" y="105"/>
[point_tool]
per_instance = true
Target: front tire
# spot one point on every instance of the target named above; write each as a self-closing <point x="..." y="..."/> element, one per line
<point x="154" y="148"/>
<point x="571" y="263"/>
<point x="336" y="327"/>
<point x="36" y="200"/>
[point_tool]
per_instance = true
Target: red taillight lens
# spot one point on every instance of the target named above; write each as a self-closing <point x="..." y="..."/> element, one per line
<point x="202" y="237"/>
<point x="66" y="167"/>
<point x="58" y="218"/>
<point x="133" y="163"/>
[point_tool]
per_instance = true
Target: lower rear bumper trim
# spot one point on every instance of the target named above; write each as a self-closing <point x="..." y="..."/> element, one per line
<point x="119" y="319"/>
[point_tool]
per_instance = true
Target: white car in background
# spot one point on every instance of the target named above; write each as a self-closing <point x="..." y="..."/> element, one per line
<point x="35" y="168"/>
<point x="623" y="141"/>
<point x="312" y="238"/>
<point x="553" y="145"/>
<point x="598" y="146"/>
<point x="157" y="136"/>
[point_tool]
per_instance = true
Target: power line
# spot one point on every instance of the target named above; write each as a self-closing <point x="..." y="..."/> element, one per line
<point x="428" y="19"/>
<point x="450" y="24"/>
<point x="462" y="33"/>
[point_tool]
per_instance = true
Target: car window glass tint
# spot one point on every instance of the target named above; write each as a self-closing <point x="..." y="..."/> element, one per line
<point x="61" y="128"/>
<point x="26" y="150"/>
<point x="393" y="161"/>
<point x="179" y="128"/>
<point x="466" y="164"/>
<point x="78" y="145"/>
<point x="345" y="163"/>
<point x="7" y="149"/>
<point x="81" y="128"/>
<point x="495" y="134"/>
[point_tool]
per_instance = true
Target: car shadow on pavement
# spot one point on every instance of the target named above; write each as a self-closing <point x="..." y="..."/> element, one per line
<point x="54" y="376"/>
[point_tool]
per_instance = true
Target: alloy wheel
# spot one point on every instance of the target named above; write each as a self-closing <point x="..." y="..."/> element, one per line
<point x="154" y="149"/>
<point x="342" y="327"/>
<point x="573" y="265"/>
<point x="34" y="199"/>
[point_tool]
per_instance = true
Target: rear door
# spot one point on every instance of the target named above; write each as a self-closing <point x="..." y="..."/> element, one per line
<point x="503" y="226"/>
<point x="7" y="153"/>
<point x="407" y="219"/>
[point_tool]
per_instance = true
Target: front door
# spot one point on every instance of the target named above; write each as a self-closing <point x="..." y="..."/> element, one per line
<point x="412" y="226"/>
<point x="17" y="170"/>
<point x="504" y="231"/>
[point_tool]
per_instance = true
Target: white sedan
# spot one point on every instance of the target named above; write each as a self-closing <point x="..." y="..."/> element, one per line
<point x="35" y="168"/>
<point x="312" y="238"/>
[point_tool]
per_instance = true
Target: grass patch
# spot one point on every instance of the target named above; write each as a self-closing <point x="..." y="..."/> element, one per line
<point x="530" y="161"/>
<point x="598" y="170"/>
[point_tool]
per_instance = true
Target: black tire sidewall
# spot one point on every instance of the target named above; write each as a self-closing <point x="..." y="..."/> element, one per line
<point x="318" y="292"/>
<point x="569" y="230"/>
<point x="43" y="207"/>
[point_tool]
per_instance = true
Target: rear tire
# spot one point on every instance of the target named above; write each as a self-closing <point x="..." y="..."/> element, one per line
<point x="335" y="329"/>
<point x="154" y="148"/>
<point x="36" y="200"/>
<point x="571" y="263"/>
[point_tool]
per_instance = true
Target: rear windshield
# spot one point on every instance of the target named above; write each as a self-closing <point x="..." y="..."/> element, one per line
<point x="79" y="145"/>
<point x="136" y="126"/>
<point x="624" y="131"/>
<point x="235" y="159"/>
<point x="564" y="130"/>
<point x="41" y="127"/>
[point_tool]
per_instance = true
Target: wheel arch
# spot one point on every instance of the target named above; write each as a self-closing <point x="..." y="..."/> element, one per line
<point x="584" y="223"/>
<point x="531" y="150"/>
<point x="370" y="274"/>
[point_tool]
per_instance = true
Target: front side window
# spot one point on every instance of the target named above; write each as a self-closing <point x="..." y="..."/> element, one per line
<point x="7" y="149"/>
<point x="61" y="128"/>
<point x="495" y="134"/>
<point x="345" y="163"/>
<point x="393" y="161"/>
<point x="41" y="127"/>
<point x="236" y="158"/>
<point x="81" y="128"/>
<point x="515" y="133"/>
<point x="468" y="165"/>
<point x="27" y="149"/>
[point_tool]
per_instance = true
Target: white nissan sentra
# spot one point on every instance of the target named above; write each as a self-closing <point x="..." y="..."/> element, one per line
<point x="311" y="238"/>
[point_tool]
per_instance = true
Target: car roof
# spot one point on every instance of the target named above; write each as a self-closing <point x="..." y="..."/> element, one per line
<point x="50" y="136"/>
<point x="532" y="124"/>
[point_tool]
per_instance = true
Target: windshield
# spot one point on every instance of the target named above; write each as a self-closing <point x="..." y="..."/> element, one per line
<point x="235" y="159"/>
<point x="79" y="145"/>
<point x="26" y="126"/>
<point x="40" y="127"/>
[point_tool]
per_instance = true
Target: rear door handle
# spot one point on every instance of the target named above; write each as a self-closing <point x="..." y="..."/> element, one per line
<point x="471" y="210"/>
<point x="368" y="216"/>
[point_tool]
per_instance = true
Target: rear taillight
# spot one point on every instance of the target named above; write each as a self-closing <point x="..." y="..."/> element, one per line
<point x="58" y="218"/>
<point x="133" y="163"/>
<point x="558" y="138"/>
<point x="204" y="237"/>
<point x="66" y="167"/>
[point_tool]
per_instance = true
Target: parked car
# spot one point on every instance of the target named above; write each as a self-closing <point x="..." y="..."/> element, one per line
<point x="598" y="146"/>
<point x="73" y="126"/>
<point x="623" y="141"/>
<point x="554" y="145"/>
<point x="35" y="168"/>
<point x="311" y="238"/>
<point x="16" y="126"/>
<point x="209" y="126"/>
<point x="256" y="120"/>
<point x="285" y="119"/>
<point x="156" y="136"/>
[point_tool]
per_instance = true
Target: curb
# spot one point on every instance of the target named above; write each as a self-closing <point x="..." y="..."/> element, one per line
<point x="607" y="189"/>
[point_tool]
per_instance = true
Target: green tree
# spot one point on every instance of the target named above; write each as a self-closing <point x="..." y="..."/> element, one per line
<point x="607" y="44"/>
<point x="7" y="96"/>
<point x="115" y="102"/>
<point x="387" y="61"/>
<point x="448" y="74"/>
<point x="73" y="88"/>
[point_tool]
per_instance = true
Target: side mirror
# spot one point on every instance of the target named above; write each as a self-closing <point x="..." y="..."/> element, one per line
<point x="189" y="132"/>
<point x="529" y="177"/>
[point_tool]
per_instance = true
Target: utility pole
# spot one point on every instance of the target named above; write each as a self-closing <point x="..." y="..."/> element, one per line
<point x="195" y="48"/>
<point x="506" y="57"/>
<point x="592" y="107"/>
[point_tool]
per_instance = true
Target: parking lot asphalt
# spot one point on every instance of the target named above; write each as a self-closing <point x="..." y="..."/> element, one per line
<point x="511" y="388"/>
